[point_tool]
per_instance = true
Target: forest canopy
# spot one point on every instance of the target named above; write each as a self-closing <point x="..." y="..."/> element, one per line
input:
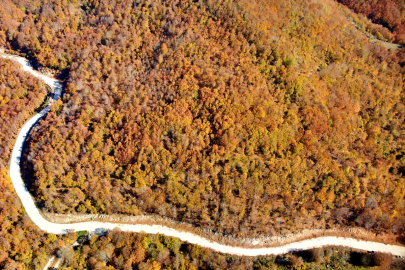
<point x="22" y="244"/>
<point x="388" y="13"/>
<point x="20" y="95"/>
<point x="124" y="250"/>
<point x="247" y="117"/>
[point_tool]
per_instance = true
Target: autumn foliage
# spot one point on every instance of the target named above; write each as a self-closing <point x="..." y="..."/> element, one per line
<point x="382" y="259"/>
<point x="244" y="117"/>
<point x="388" y="13"/>
<point x="22" y="244"/>
<point x="124" y="250"/>
<point x="20" y="95"/>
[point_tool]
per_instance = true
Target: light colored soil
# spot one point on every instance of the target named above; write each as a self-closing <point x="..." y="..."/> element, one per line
<point x="373" y="39"/>
<point x="263" y="241"/>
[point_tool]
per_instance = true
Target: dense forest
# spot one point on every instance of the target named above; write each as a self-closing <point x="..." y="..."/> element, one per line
<point x="247" y="117"/>
<point x="22" y="244"/>
<point x="123" y="250"/>
<point x="20" y="95"/>
<point x="388" y="13"/>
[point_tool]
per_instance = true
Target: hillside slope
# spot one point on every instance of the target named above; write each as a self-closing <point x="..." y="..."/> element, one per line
<point x="388" y="13"/>
<point x="244" y="117"/>
<point x="22" y="244"/>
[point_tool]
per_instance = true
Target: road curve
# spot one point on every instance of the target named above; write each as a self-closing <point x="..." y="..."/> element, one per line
<point x="100" y="227"/>
<point x="49" y="263"/>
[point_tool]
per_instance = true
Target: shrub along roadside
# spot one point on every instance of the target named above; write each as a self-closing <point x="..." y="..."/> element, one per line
<point x="125" y="250"/>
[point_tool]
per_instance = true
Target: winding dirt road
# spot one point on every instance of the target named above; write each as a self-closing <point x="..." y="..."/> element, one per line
<point x="101" y="227"/>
